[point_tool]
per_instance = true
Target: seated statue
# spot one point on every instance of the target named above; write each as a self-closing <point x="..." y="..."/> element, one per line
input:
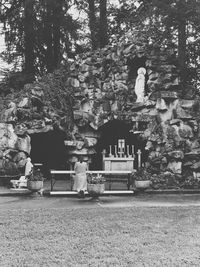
<point x="28" y="167"/>
<point x="22" y="182"/>
<point x="140" y="85"/>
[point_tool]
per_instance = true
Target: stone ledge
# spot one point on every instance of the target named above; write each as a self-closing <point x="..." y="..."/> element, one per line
<point x="173" y="191"/>
<point x="14" y="192"/>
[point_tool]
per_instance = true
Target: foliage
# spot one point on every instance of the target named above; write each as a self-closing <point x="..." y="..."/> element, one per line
<point x="52" y="31"/>
<point x="95" y="179"/>
<point x="8" y="168"/>
<point x="57" y="35"/>
<point x="165" y="23"/>
<point x="13" y="81"/>
<point x="169" y="180"/>
<point x="191" y="183"/>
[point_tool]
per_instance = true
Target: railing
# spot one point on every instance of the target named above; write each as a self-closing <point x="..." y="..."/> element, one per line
<point x="107" y="173"/>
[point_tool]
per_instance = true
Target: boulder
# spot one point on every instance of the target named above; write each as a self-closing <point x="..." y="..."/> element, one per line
<point x="175" y="122"/>
<point x="24" y="144"/>
<point x="168" y="94"/>
<point x="161" y="105"/>
<point x="175" y="167"/>
<point x="176" y="154"/>
<point x="182" y="114"/>
<point x="83" y="151"/>
<point x="193" y="155"/>
<point x="8" y="138"/>
<point x="24" y="103"/>
<point x="79" y="144"/>
<point x="187" y="104"/>
<point x="185" y="131"/>
<point x="1" y="154"/>
<point x="90" y="141"/>
<point x="196" y="166"/>
<point x="20" y="159"/>
<point x="9" y="114"/>
<point x="37" y="91"/>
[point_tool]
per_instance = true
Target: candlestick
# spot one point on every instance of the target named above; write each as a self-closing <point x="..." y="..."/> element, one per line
<point x="110" y="154"/>
<point x="139" y="158"/>
<point x="128" y="155"/>
<point x="116" y="151"/>
<point x="133" y="150"/>
<point x="104" y="153"/>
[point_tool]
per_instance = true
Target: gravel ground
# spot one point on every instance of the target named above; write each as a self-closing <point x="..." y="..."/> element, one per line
<point x="95" y="236"/>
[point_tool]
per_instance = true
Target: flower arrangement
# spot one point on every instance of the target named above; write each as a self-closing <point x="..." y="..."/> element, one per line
<point x="35" y="175"/>
<point x="95" y="179"/>
<point x="141" y="175"/>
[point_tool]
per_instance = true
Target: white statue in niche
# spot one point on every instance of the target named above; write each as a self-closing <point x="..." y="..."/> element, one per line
<point x="140" y="85"/>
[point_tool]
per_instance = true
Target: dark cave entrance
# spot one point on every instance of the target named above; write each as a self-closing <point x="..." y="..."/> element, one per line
<point x="110" y="133"/>
<point x="48" y="148"/>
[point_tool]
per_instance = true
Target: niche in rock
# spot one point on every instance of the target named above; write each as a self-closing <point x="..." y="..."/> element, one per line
<point x="110" y="133"/>
<point x="134" y="64"/>
<point x="48" y="148"/>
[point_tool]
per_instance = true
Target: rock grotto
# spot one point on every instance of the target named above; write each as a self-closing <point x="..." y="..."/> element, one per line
<point x="78" y="110"/>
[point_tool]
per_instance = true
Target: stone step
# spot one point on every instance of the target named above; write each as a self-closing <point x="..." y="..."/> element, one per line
<point x="107" y="192"/>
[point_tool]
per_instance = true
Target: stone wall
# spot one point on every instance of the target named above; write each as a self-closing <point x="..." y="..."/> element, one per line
<point x="99" y="87"/>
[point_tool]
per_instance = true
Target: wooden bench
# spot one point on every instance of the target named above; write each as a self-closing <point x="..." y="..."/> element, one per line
<point x="110" y="176"/>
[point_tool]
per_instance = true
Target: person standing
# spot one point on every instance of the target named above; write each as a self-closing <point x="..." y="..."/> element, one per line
<point x="80" y="179"/>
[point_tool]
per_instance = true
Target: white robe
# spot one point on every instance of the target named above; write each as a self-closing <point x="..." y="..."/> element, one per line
<point x="80" y="179"/>
<point x="140" y="85"/>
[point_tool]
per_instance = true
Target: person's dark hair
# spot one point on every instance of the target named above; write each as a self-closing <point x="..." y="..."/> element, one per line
<point x="81" y="158"/>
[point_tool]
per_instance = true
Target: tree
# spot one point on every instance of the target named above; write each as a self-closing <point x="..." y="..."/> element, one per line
<point x="103" y="25"/>
<point x="57" y="24"/>
<point x="38" y="33"/>
<point x="96" y="13"/>
<point x="92" y="24"/>
<point x="29" y="38"/>
<point x="173" y="23"/>
<point x="48" y="36"/>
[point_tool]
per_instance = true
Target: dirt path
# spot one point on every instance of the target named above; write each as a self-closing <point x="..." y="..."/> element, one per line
<point x="145" y="200"/>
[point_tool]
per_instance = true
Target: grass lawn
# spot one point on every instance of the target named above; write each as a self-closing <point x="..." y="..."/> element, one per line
<point x="99" y="236"/>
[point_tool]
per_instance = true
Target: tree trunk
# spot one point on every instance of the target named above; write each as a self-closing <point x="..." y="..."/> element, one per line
<point x="103" y="25"/>
<point x="93" y="24"/>
<point x="29" y="38"/>
<point x="57" y="11"/>
<point x="49" y="36"/>
<point x="182" y="37"/>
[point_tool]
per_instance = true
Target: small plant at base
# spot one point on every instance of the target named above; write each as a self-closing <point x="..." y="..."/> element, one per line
<point x="35" y="175"/>
<point x="95" y="179"/>
<point x="141" y="175"/>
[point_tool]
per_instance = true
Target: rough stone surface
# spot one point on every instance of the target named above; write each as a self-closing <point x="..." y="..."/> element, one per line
<point x="99" y="87"/>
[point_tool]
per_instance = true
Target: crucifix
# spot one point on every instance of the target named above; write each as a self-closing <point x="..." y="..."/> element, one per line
<point x="121" y="147"/>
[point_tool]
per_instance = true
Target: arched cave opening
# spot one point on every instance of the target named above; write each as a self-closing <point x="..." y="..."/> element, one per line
<point x="110" y="133"/>
<point x="48" y="148"/>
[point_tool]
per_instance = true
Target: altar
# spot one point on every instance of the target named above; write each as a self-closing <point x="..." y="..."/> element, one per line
<point x="121" y="157"/>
